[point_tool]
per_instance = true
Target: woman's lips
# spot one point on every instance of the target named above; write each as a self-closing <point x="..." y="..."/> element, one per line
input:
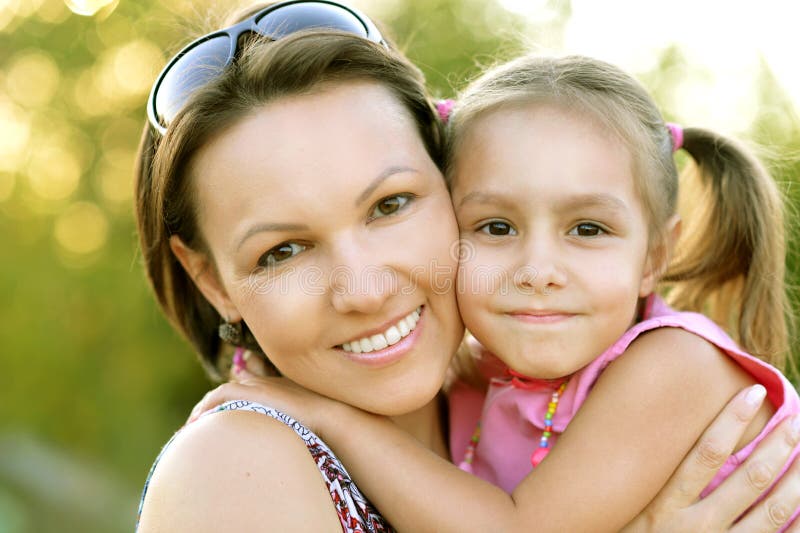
<point x="393" y="353"/>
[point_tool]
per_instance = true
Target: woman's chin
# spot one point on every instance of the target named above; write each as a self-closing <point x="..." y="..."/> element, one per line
<point x="404" y="399"/>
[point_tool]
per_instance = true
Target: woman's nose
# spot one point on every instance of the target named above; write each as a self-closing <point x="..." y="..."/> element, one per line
<point x="360" y="281"/>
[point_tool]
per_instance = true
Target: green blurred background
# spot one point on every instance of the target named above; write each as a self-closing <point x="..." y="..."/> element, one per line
<point x="93" y="379"/>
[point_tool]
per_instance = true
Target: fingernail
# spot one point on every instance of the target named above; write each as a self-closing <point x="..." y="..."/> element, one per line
<point x="246" y="355"/>
<point x="238" y="360"/>
<point x="755" y="395"/>
<point x="796" y="427"/>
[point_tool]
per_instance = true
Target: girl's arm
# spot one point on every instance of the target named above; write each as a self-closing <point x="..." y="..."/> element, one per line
<point x="591" y="484"/>
<point x="237" y="471"/>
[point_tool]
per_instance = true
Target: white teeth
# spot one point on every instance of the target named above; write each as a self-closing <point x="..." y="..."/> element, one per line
<point x="378" y="342"/>
<point x="402" y="326"/>
<point x="393" y="335"/>
<point x="389" y="337"/>
<point x="366" y="345"/>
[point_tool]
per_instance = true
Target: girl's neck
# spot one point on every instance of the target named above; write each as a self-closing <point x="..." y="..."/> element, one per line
<point x="426" y="424"/>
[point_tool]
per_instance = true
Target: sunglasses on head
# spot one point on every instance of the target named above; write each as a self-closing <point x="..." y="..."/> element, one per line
<point x="206" y="57"/>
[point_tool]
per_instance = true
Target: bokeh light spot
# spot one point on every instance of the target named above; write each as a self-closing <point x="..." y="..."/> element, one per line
<point x="32" y="78"/>
<point x="116" y="173"/>
<point x="89" y="8"/>
<point x="88" y="95"/>
<point x="53" y="172"/>
<point x="82" y="228"/>
<point x="15" y="130"/>
<point x="53" y="11"/>
<point x="136" y="64"/>
<point x="7" y="180"/>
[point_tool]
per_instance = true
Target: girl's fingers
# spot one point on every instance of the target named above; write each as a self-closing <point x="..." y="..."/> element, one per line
<point x="255" y="365"/>
<point x="239" y="370"/>
<point x="712" y="450"/>
<point x="748" y="482"/>
<point x="774" y="510"/>
<point x="218" y="396"/>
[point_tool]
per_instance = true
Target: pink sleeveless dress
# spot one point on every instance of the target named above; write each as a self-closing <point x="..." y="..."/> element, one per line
<point x="511" y="412"/>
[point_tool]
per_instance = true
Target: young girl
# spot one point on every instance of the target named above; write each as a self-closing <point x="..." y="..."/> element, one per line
<point x="565" y="189"/>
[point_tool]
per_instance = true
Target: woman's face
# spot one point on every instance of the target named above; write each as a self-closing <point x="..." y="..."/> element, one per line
<point x="329" y="226"/>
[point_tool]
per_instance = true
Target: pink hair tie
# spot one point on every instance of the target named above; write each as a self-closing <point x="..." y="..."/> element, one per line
<point x="676" y="132"/>
<point x="444" y="108"/>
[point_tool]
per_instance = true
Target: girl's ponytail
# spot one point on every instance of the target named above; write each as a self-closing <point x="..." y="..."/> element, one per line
<point x="730" y="264"/>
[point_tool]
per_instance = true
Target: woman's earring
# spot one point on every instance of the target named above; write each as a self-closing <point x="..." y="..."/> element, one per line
<point x="231" y="333"/>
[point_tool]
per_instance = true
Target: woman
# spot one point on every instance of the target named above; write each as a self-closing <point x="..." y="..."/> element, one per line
<point x="296" y="197"/>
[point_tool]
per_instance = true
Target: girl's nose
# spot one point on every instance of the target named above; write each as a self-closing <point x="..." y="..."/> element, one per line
<point x="542" y="270"/>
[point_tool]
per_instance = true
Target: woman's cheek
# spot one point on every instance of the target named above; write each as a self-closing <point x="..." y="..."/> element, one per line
<point x="281" y="312"/>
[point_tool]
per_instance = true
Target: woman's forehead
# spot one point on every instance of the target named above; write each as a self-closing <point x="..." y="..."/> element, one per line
<point x="321" y="148"/>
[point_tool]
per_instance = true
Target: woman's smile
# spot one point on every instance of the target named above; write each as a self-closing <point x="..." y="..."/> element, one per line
<point x="376" y="350"/>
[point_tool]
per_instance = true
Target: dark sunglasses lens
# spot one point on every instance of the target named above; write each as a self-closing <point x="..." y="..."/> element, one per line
<point x="296" y="17"/>
<point x="199" y="65"/>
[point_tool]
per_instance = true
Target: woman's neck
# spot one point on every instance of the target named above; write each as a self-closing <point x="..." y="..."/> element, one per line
<point x="426" y="424"/>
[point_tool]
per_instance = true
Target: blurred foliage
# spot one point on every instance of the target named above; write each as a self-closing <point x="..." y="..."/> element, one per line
<point x="94" y="380"/>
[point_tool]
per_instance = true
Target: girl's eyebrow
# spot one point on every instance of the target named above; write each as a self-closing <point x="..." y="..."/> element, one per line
<point x="601" y="200"/>
<point x="608" y="202"/>
<point x="486" y="198"/>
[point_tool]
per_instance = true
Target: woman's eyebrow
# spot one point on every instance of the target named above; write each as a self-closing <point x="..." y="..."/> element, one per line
<point x="274" y="226"/>
<point x="380" y="178"/>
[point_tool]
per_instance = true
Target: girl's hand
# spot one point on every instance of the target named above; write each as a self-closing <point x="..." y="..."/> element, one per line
<point x="250" y="381"/>
<point x="677" y="508"/>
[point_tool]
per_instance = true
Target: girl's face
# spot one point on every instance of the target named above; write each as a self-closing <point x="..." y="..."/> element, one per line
<point x="554" y="238"/>
<point x="329" y="226"/>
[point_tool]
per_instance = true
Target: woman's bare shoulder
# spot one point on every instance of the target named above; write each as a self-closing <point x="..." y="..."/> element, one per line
<point x="237" y="471"/>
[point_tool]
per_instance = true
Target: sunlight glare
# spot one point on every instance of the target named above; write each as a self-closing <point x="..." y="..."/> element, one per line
<point x="82" y="228"/>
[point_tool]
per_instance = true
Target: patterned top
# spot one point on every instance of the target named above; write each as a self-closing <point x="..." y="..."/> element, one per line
<point x="356" y="514"/>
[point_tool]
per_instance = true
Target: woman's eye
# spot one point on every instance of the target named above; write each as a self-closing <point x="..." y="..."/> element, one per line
<point x="497" y="228"/>
<point x="280" y="253"/>
<point x="389" y="206"/>
<point x="586" y="229"/>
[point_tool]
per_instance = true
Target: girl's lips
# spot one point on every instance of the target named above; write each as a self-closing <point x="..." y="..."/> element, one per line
<point x="390" y="354"/>
<point x="541" y="317"/>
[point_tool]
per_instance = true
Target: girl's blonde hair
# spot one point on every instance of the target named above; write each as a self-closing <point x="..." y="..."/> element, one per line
<point x="730" y="265"/>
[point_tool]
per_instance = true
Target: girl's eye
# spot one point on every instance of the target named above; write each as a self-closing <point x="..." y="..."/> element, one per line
<point x="497" y="228"/>
<point x="586" y="229"/>
<point x="389" y="206"/>
<point x="280" y="253"/>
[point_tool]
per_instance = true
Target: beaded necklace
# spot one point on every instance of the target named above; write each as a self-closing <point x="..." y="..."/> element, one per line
<point x="544" y="443"/>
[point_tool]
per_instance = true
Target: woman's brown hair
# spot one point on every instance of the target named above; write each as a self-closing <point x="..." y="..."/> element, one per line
<point x="266" y="71"/>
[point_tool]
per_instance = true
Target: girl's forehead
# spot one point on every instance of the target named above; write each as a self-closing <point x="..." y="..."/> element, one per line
<point x="540" y="153"/>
